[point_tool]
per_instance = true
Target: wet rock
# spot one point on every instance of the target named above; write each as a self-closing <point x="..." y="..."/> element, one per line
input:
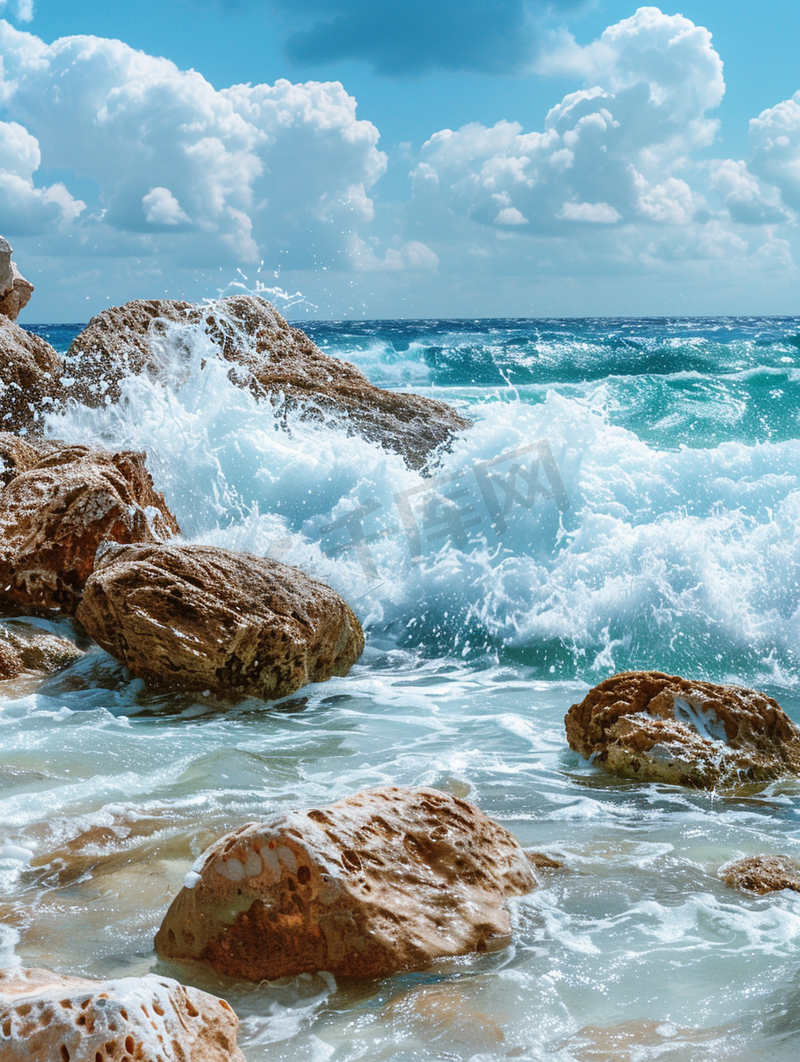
<point x="30" y="377"/>
<point x="655" y="727"/>
<point x="447" y="1015"/>
<point x="270" y="357"/>
<point x="639" y="1039"/>
<point x="202" y="618"/>
<point x="382" y="881"/>
<point x="26" y="648"/>
<point x="762" y="874"/>
<point x="57" y="504"/>
<point x="17" y="296"/>
<point x="153" y="1019"/>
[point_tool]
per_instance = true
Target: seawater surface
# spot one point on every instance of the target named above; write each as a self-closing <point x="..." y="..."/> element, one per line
<point x="628" y="497"/>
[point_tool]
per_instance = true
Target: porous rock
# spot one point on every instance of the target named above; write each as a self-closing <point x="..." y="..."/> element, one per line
<point x="656" y="727"/>
<point x="763" y="873"/>
<point x="17" y="296"/>
<point x="386" y="880"/>
<point x="30" y="377"/>
<point x="58" y="502"/>
<point x="50" y="1018"/>
<point x="202" y="618"/>
<point x="271" y="357"/>
<point x="26" y="648"/>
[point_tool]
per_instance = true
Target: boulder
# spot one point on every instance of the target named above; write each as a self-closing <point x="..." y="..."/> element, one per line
<point x="26" y="648"/>
<point x="269" y="356"/>
<point x="762" y="874"/>
<point x="202" y="618"/>
<point x="387" y="880"/>
<point x="57" y="504"/>
<point x="30" y="377"/>
<point x="659" y="728"/>
<point x="6" y="267"/>
<point x="50" y="1018"/>
<point x="17" y="297"/>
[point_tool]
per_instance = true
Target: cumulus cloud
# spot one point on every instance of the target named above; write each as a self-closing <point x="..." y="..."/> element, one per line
<point x="25" y="209"/>
<point x="214" y="176"/>
<point x="616" y="157"/>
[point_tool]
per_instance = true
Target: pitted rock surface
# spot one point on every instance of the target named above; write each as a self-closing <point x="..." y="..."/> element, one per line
<point x="202" y="618"/>
<point x="57" y="504"/>
<point x="655" y="727"/>
<point x="271" y="357"/>
<point x="30" y="377"/>
<point x="386" y="880"/>
<point x="762" y="874"/>
<point x="26" y="648"/>
<point x="17" y="296"/>
<point x="48" y="1018"/>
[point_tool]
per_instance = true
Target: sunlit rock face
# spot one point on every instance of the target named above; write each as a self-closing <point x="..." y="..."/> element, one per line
<point x="50" y="1018"/>
<point x="58" y="502"/>
<point x="30" y="377"/>
<point x="15" y="290"/>
<point x="655" y="727"/>
<point x="762" y="874"/>
<point x="386" y="880"/>
<point x="269" y="356"/>
<point x="202" y="618"/>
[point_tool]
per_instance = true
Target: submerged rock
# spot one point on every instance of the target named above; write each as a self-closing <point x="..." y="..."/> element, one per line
<point x="382" y="881"/>
<point x="762" y="874"/>
<point x="30" y="377"/>
<point x="26" y="648"/>
<point x="269" y="356"/>
<point x="202" y="618"/>
<point x="57" y="504"/>
<point x="655" y="727"/>
<point x="51" y="1018"/>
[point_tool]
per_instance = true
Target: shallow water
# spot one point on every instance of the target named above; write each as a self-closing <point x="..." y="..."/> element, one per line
<point x="659" y="529"/>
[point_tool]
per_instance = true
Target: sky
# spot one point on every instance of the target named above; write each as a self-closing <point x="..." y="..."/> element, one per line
<point x="417" y="159"/>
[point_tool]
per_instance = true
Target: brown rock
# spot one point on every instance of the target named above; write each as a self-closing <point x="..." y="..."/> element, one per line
<point x="635" y="1040"/>
<point x="271" y="357"/>
<point x="30" y="374"/>
<point x="382" y="881"/>
<point x="17" y="296"/>
<point x="202" y="618"/>
<point x="59" y="502"/>
<point x="132" y="1019"/>
<point x="6" y="269"/>
<point x="655" y="727"/>
<point x="26" y="648"/>
<point x="762" y="874"/>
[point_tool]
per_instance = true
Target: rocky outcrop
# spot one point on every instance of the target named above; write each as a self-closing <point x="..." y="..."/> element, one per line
<point x="762" y="874"/>
<point x="383" y="881"/>
<point x="202" y="618"/>
<point x="6" y="266"/>
<point x="57" y="504"/>
<point x="655" y="727"/>
<point x="25" y="648"/>
<point x="30" y="375"/>
<point x="132" y="1019"/>
<point x="17" y="297"/>
<point x="272" y="358"/>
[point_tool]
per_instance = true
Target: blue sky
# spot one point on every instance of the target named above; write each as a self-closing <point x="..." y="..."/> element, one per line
<point x="435" y="158"/>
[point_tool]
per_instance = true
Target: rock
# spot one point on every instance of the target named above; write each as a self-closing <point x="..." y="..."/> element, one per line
<point x="762" y="874"/>
<point x="445" y="1015"/>
<point x="51" y="1018"/>
<point x="382" y="881"/>
<point x="6" y="267"/>
<point x="639" y="1039"/>
<point x="202" y="618"/>
<point x="270" y="357"/>
<point x="57" y="504"/>
<point x="24" y="647"/>
<point x="17" y="297"/>
<point x="30" y="375"/>
<point x="658" y="728"/>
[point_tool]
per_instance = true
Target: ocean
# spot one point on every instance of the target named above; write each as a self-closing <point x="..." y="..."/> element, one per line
<point x="628" y="497"/>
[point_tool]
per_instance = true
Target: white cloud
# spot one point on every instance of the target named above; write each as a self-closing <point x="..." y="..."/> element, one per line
<point x="21" y="9"/>
<point x="25" y="208"/>
<point x="775" y="136"/>
<point x="187" y="171"/>
<point x="595" y="213"/>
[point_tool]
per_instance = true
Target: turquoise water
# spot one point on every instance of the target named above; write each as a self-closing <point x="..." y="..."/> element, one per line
<point x="629" y="496"/>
